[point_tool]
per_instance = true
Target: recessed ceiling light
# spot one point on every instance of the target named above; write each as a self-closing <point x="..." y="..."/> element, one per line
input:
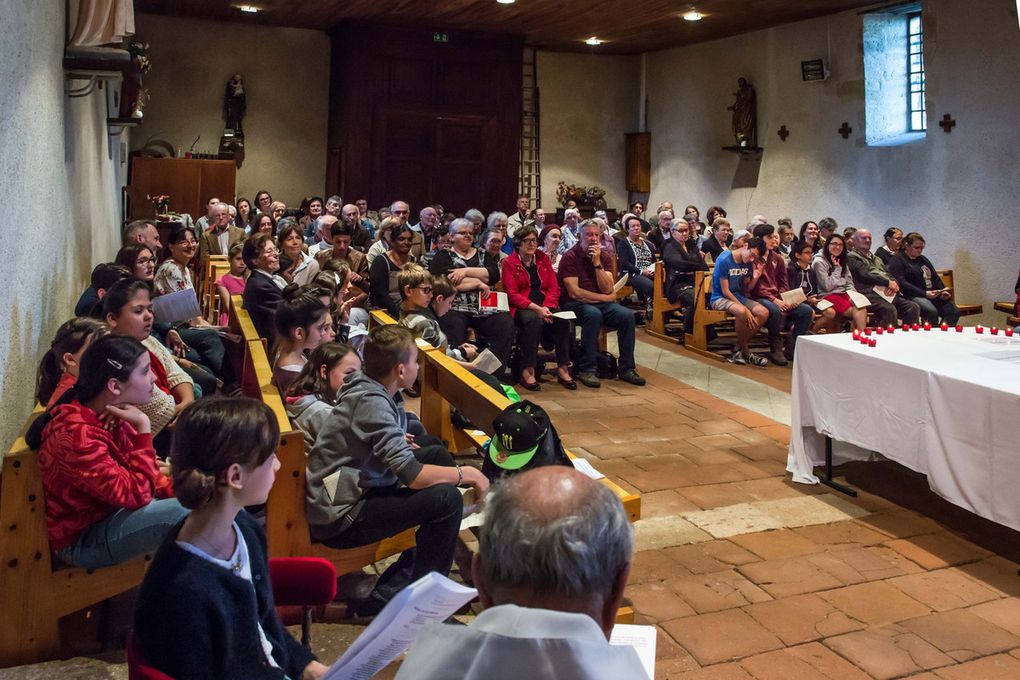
<point x="593" y="41"/>
<point x="693" y="15"/>
<point x="506" y="2"/>
<point x="249" y="9"/>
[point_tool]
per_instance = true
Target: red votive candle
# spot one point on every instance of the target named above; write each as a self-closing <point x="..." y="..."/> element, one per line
<point x="872" y="342"/>
<point x="914" y="327"/>
<point x="944" y="326"/>
<point x="867" y="331"/>
<point x="857" y="335"/>
<point x="979" y="329"/>
<point x="927" y="326"/>
<point x="995" y="330"/>
<point x="1009" y="332"/>
<point x="959" y="329"/>
<point x="906" y="327"/>
<point x="878" y="331"/>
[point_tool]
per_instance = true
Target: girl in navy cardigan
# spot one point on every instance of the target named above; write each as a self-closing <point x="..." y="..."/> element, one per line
<point x="206" y="609"/>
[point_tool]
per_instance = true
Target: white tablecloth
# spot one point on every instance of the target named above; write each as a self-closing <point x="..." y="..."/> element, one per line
<point x="943" y="403"/>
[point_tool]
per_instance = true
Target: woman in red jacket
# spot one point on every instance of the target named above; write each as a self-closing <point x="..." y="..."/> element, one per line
<point x="534" y="295"/>
<point x="106" y="499"/>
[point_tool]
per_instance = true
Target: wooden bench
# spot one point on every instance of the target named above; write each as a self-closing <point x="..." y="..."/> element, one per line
<point x="965" y="309"/>
<point x="704" y="316"/>
<point x="215" y="267"/>
<point x="661" y="307"/>
<point x="287" y="530"/>
<point x="1007" y="308"/>
<point x="35" y="594"/>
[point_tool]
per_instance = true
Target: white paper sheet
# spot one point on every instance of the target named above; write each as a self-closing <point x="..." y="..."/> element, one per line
<point x="180" y="305"/>
<point x="581" y="465"/>
<point x="641" y="639"/>
<point x="569" y="316"/>
<point x="486" y="362"/>
<point x="430" y="598"/>
<point x="880" y="292"/>
<point x="794" y="297"/>
<point x="621" y="283"/>
<point x="494" y="301"/>
<point x="859" y="301"/>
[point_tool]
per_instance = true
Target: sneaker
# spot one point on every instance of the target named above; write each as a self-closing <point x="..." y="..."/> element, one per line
<point x="631" y="376"/>
<point x="737" y="358"/>
<point x="756" y="360"/>
<point x="776" y="357"/>
<point x="589" y="380"/>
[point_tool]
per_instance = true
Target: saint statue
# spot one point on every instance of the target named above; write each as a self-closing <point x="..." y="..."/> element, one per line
<point x="745" y="115"/>
<point x="234" y="105"/>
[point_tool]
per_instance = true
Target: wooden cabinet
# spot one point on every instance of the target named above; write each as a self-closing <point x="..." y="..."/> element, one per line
<point x="188" y="182"/>
<point x="639" y="162"/>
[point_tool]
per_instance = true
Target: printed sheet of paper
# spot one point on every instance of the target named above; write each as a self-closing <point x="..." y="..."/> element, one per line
<point x="880" y="291"/>
<point x="859" y="301"/>
<point x="177" y="306"/>
<point x="823" y="305"/>
<point x="430" y="598"/>
<point x="486" y="362"/>
<point x="583" y="466"/>
<point x="794" y="297"/>
<point x="641" y="639"/>
<point x="621" y="283"/>
<point x="569" y="316"/>
<point x="494" y="301"/>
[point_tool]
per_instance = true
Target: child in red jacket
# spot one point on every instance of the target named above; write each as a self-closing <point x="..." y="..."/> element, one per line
<point x="106" y="499"/>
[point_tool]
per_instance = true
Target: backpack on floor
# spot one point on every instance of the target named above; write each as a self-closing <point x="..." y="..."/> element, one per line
<point x="513" y="448"/>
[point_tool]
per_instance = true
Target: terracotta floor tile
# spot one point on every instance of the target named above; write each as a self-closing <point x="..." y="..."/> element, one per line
<point x="714" y="456"/>
<point x="654" y="533"/>
<point x="586" y="438"/>
<point x="661" y="461"/>
<point x="802" y="618"/>
<point x="728" y="552"/>
<point x="771" y="468"/>
<point x="608" y="450"/>
<point x="780" y="433"/>
<point x="722" y="636"/>
<point x="714" y="441"/>
<point x="654" y="565"/>
<point x="962" y="635"/>
<point x="770" y="450"/>
<point x="902" y="524"/>
<point x="807" y="662"/>
<point x="996" y="573"/>
<point x="711" y="496"/>
<point x="771" y="545"/>
<point x="858" y="564"/>
<point x="664" y="503"/>
<point x="666" y="648"/>
<point x="841" y="532"/>
<point x="998" y="667"/>
<point x="875" y="604"/>
<point x="657" y="601"/>
<point x="631" y="423"/>
<point x="944" y="589"/>
<point x="704" y="558"/>
<point x="935" y="551"/>
<point x="887" y="652"/>
<point x="752" y="419"/>
<point x="677" y="432"/>
<point x="723" y="671"/>
<point x="641" y="436"/>
<point x="666" y="419"/>
<point x="573" y="425"/>
<point x="1003" y="613"/>
<point x="727" y="472"/>
<point x="718" y="590"/>
<point x="783" y="578"/>
<point x="720" y="426"/>
<point x="752" y="437"/>
<point x="677" y="476"/>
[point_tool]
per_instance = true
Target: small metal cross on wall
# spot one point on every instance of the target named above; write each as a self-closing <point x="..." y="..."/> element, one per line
<point x="947" y="123"/>
<point x="783" y="133"/>
<point x="845" y="130"/>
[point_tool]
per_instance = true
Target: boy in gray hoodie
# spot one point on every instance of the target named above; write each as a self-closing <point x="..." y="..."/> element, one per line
<point x="368" y="480"/>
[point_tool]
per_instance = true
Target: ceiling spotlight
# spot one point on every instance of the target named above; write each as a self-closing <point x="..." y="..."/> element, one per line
<point x="248" y="9"/>
<point x="593" y="41"/>
<point x="693" y="15"/>
<point x="506" y="2"/>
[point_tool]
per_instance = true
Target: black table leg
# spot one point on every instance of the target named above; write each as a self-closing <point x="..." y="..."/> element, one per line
<point x="828" y="471"/>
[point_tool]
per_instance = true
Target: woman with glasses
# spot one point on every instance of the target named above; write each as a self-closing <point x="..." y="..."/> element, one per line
<point x="263" y="290"/>
<point x="682" y="259"/>
<point x="383" y="274"/>
<point x="534" y="296"/>
<point x="470" y="273"/>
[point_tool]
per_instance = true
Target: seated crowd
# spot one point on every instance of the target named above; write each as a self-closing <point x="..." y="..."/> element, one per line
<point x="135" y="436"/>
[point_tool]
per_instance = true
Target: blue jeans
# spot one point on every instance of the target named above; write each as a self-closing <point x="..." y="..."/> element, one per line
<point x="642" y="285"/>
<point x="800" y="316"/>
<point x="124" y="535"/>
<point x="207" y="348"/>
<point x="591" y="318"/>
<point x="932" y="309"/>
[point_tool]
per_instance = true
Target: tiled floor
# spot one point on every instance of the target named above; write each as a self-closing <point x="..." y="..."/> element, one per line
<point x="749" y="576"/>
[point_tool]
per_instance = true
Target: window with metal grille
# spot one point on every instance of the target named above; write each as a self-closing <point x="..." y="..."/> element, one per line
<point x="916" y="112"/>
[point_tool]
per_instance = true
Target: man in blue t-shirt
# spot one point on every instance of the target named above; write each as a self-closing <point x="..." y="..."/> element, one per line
<point x="732" y="270"/>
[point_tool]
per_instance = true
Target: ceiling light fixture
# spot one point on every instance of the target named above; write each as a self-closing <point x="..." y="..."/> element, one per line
<point x="249" y="9"/>
<point x="693" y="15"/>
<point x="506" y="2"/>
<point x="593" y="41"/>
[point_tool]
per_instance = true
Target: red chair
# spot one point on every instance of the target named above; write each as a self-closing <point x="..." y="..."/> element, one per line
<point x="303" y="582"/>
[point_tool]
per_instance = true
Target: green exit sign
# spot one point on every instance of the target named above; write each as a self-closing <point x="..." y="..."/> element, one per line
<point x="440" y="37"/>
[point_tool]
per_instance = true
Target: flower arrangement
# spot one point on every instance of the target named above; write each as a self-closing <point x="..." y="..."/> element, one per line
<point x="161" y="204"/>
<point x="139" y="55"/>
<point x="594" y="195"/>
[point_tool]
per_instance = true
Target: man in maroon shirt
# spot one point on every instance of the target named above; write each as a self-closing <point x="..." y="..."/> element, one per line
<point x="587" y="290"/>
<point x="766" y="285"/>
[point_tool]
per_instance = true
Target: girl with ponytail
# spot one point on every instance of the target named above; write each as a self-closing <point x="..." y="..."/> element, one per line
<point x="106" y="499"/>
<point x="314" y="392"/>
<point x="58" y="369"/>
<point x="303" y="322"/>
<point x="206" y="609"/>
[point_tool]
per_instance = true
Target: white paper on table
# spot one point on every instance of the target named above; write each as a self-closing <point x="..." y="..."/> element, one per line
<point x="583" y="466"/>
<point x="430" y="598"/>
<point x="823" y="305"/>
<point x="621" y="283"/>
<point x="641" y="639"/>
<point x="859" y="301"/>
<point x="794" y="297"/>
<point x="880" y="292"/>
<point x="486" y="362"/>
<point x="569" y="316"/>
<point x="180" y="305"/>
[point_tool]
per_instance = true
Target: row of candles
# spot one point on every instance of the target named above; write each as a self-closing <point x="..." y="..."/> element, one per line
<point x="864" y="337"/>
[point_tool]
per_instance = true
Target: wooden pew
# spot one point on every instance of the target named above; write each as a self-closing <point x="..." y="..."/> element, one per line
<point x="35" y="595"/>
<point x="286" y="524"/>
<point x="704" y="316"/>
<point x="445" y="383"/>
<point x="965" y="309"/>
<point x="215" y="267"/>
<point x="1007" y="309"/>
<point x="661" y="307"/>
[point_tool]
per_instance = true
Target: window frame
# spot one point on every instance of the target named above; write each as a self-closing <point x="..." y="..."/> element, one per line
<point x="912" y="71"/>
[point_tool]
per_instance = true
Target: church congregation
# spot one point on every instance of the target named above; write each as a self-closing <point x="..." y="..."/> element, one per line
<point x="368" y="299"/>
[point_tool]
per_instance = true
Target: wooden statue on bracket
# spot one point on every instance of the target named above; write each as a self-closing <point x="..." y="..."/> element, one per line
<point x="745" y="115"/>
<point x="234" y="104"/>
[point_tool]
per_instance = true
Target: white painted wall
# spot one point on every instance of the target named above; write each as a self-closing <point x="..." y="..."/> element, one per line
<point x="61" y="189"/>
<point x="957" y="189"/>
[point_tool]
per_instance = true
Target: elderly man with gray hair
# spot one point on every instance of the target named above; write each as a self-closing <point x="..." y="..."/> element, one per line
<point x="554" y="557"/>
